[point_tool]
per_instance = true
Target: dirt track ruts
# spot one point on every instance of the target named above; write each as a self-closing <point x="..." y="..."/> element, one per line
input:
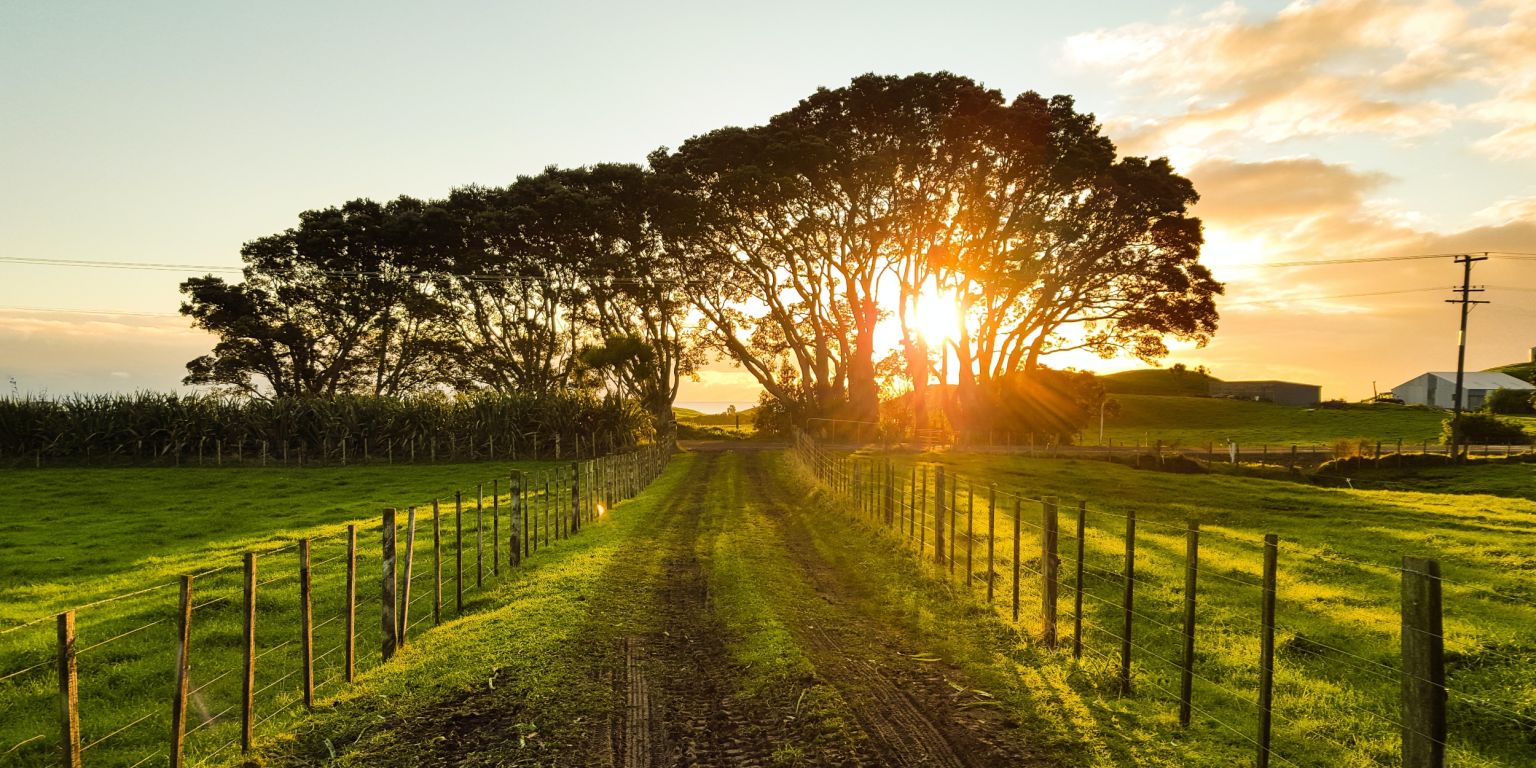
<point x="906" y="708"/>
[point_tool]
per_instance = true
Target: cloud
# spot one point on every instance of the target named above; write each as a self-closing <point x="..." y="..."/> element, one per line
<point x="1321" y="69"/>
<point x="1238" y="193"/>
<point x="64" y="352"/>
<point x="1347" y="325"/>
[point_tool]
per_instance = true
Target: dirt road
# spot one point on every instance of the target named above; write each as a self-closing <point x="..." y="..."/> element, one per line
<point x="682" y="704"/>
<point x="720" y="632"/>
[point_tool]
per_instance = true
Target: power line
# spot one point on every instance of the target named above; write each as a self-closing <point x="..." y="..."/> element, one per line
<point x="479" y="277"/>
<point x="1466" y="302"/>
<point x="1293" y="299"/>
<point x="116" y="264"/>
<point x="88" y="311"/>
<point x="1357" y="260"/>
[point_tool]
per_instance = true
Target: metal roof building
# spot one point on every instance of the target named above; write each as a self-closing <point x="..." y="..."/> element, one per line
<point x="1282" y="392"/>
<point x="1438" y="388"/>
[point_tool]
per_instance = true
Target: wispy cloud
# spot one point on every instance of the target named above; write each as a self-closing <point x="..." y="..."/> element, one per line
<point x="1318" y="69"/>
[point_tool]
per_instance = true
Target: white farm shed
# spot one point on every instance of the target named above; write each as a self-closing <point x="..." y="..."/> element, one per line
<point x="1438" y="389"/>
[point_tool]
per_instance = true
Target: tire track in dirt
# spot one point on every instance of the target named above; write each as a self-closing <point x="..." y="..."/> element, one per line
<point x="681" y="676"/>
<point x="907" y="711"/>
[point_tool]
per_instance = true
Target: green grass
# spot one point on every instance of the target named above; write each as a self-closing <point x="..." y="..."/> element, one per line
<point x="1337" y="680"/>
<point x="78" y="536"/>
<point x="1193" y="423"/>
<point x="533" y="654"/>
<point x="1494" y="477"/>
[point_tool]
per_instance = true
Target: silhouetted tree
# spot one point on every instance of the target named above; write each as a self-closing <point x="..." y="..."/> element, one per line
<point x="332" y="306"/>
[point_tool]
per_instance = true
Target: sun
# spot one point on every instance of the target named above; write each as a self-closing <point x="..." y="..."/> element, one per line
<point x="936" y="318"/>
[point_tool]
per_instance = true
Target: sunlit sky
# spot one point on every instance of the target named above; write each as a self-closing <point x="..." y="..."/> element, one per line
<point x="174" y="132"/>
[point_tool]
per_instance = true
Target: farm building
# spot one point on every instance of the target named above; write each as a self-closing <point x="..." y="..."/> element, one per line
<point x="1438" y="389"/>
<point x="1282" y="392"/>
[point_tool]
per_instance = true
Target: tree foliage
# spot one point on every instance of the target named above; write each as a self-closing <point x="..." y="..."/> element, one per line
<point x="1510" y="401"/>
<point x="878" y="195"/>
<point x="789" y="248"/>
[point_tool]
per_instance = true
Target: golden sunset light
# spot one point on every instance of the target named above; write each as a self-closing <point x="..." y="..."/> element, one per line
<point x="792" y="384"/>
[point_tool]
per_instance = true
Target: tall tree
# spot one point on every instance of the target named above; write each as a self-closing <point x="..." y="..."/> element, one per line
<point x="333" y="305"/>
<point x="752" y="259"/>
<point x="1061" y="246"/>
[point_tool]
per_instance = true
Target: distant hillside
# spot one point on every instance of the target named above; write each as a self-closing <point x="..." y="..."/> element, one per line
<point x="1198" y="422"/>
<point x="1159" y="381"/>
<point x="1525" y="371"/>
<point x="691" y="416"/>
<point x="727" y="420"/>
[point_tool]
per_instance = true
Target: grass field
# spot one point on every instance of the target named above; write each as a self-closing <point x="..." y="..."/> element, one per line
<point x="529" y="648"/>
<point x="73" y="537"/>
<point x="1194" y="423"/>
<point x="1337" y="673"/>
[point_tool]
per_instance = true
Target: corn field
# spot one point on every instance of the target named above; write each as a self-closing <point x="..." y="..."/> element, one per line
<point x="162" y="428"/>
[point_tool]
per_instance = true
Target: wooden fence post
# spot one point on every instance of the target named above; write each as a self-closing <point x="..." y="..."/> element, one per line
<point x="1018" y="523"/>
<point x="1187" y="665"/>
<point x="1267" y="647"/>
<point x="1050" y="567"/>
<point x="575" y="526"/>
<point x="350" y="642"/>
<point x="991" y="535"/>
<point x="479" y="536"/>
<point x="1424" y="694"/>
<point x="410" y="570"/>
<point x="938" y="516"/>
<point x="387" y="586"/>
<point x="69" y="691"/>
<point x="183" y="672"/>
<point x="954" y="498"/>
<point x="922" y="515"/>
<point x="970" y="535"/>
<point x="496" y="527"/>
<point x="306" y="626"/>
<point x="437" y="564"/>
<point x="910" y="508"/>
<point x="890" y="494"/>
<point x="1077" y="582"/>
<point x="515" y="498"/>
<point x="1129" y="601"/>
<point x="458" y="552"/>
<point x="248" y="668"/>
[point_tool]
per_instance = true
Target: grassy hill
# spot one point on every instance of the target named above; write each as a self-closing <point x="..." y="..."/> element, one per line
<point x="1195" y="422"/>
<point x="728" y="421"/>
<point x="1525" y="371"/>
<point x="1158" y="381"/>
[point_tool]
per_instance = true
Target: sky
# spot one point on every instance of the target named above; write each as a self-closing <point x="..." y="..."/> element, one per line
<point x="171" y="133"/>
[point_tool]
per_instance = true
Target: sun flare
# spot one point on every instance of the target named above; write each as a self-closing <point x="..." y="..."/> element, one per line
<point x="936" y="317"/>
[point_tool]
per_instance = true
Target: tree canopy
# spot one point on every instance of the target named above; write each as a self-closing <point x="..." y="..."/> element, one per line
<point x="797" y="249"/>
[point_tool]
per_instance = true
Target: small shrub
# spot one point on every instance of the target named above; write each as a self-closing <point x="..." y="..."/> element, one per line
<point x="1351" y="464"/>
<point x="1176" y="463"/>
<point x="1486" y="429"/>
<point x="1344" y="448"/>
<point x="1514" y="402"/>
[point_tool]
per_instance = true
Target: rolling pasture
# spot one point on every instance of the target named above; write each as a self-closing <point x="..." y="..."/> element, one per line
<point x="1338" y="673"/>
<point x="114" y="542"/>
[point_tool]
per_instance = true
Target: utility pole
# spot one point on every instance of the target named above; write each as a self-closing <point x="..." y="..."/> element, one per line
<point x="1466" y="303"/>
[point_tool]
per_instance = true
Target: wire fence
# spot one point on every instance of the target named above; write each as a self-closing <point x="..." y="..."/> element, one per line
<point x="1385" y="452"/>
<point x="1284" y="649"/>
<point x="191" y="671"/>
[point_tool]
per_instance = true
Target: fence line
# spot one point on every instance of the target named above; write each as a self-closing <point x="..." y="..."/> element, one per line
<point x="277" y="654"/>
<point x="875" y="493"/>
